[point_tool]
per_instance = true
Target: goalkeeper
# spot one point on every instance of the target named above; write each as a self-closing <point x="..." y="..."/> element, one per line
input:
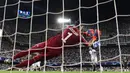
<point x="71" y="35"/>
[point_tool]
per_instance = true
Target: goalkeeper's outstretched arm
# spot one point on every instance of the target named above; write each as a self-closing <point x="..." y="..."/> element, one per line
<point x="94" y="34"/>
<point x="92" y="41"/>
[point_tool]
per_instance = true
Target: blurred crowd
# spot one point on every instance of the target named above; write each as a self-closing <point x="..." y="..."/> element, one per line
<point x="73" y="56"/>
<point x="112" y="46"/>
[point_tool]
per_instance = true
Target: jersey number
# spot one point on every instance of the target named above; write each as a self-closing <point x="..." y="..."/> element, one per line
<point x="67" y="37"/>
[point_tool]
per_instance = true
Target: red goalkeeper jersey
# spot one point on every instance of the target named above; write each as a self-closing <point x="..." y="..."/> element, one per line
<point x="53" y="45"/>
<point x="71" y="36"/>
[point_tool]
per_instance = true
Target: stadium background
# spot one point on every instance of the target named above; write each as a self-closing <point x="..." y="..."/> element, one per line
<point x="88" y="16"/>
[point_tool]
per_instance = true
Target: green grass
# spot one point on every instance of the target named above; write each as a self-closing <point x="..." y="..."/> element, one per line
<point x="56" y="72"/>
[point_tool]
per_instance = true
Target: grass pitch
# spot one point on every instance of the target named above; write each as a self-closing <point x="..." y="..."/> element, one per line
<point x="57" y="72"/>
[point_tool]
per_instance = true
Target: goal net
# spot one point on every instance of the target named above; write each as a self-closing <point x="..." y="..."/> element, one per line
<point x="24" y="23"/>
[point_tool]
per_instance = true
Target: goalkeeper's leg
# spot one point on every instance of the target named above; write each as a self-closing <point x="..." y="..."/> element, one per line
<point x="36" y="48"/>
<point x="94" y="67"/>
<point x="31" y="61"/>
<point x="21" y="54"/>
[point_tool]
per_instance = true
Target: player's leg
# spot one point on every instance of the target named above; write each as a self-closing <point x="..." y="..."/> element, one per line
<point x="36" y="48"/>
<point x="94" y="64"/>
<point x="94" y="67"/>
<point x="49" y="55"/>
<point x="31" y="61"/>
<point x="125" y="66"/>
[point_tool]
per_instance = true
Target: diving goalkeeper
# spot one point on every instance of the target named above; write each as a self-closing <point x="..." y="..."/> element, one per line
<point x="71" y="35"/>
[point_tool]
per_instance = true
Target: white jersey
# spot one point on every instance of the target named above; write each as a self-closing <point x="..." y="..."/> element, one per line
<point x="93" y="54"/>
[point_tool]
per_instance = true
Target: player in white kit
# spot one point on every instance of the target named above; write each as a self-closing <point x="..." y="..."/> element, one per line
<point x="93" y="55"/>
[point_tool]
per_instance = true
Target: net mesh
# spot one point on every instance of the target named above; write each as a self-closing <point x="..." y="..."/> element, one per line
<point x="21" y="33"/>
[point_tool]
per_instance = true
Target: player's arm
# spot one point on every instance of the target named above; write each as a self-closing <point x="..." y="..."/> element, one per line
<point x="82" y="38"/>
<point x="84" y="41"/>
<point x="95" y="35"/>
<point x="85" y="33"/>
<point x="94" y="38"/>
